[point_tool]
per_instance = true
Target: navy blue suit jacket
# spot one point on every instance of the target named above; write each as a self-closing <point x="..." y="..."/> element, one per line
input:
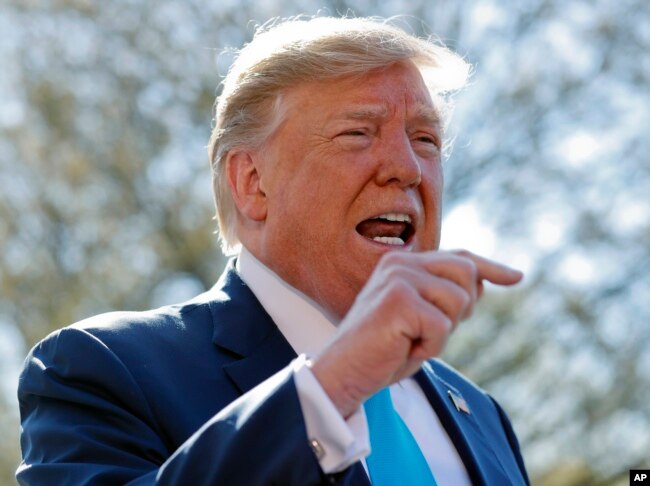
<point x="201" y="393"/>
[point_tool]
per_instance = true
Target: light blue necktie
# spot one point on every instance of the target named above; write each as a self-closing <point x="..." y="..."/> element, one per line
<point x="396" y="459"/>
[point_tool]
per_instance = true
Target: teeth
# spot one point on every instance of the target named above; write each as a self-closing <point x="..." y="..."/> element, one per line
<point x="389" y="240"/>
<point x="395" y="217"/>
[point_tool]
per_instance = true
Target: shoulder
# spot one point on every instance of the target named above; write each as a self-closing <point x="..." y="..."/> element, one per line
<point x="131" y="340"/>
<point x="136" y="327"/>
<point x="178" y="336"/>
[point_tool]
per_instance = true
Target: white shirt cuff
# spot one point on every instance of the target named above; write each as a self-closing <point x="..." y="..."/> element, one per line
<point x="337" y="442"/>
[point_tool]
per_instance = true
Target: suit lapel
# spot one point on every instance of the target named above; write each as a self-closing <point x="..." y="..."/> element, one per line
<point x="248" y="332"/>
<point x="273" y="354"/>
<point x="465" y="432"/>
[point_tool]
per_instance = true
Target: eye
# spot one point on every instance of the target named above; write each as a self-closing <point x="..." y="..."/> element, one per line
<point x="355" y="139"/>
<point x="427" y="141"/>
<point x="354" y="133"/>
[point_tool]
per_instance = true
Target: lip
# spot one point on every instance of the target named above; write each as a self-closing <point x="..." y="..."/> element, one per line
<point x="383" y="247"/>
<point x="410" y="212"/>
<point x="406" y="209"/>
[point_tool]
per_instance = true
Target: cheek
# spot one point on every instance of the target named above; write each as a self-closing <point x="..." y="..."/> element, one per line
<point x="336" y="184"/>
<point x="303" y="206"/>
<point x="432" y="184"/>
<point x="431" y="194"/>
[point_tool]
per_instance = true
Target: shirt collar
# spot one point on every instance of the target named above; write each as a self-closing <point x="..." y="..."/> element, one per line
<point x="303" y="323"/>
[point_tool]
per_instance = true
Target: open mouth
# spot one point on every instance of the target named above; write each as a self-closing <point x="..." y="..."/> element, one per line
<point x="390" y="229"/>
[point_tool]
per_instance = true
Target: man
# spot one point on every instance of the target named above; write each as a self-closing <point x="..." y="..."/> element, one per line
<point x="326" y="157"/>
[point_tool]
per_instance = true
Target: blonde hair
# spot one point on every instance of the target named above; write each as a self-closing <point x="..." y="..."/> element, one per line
<point x="285" y="53"/>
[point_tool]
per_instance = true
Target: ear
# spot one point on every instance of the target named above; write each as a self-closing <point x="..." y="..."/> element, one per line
<point x="245" y="185"/>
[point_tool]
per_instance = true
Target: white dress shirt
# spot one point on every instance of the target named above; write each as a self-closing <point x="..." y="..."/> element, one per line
<point x="308" y="328"/>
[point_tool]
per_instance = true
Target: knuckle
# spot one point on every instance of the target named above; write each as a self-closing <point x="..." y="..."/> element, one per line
<point x="464" y="263"/>
<point x="397" y="292"/>
<point x="462" y="253"/>
<point x="466" y="309"/>
<point x="398" y="288"/>
<point x="391" y="259"/>
<point x="469" y="268"/>
<point x="443" y="321"/>
<point x="433" y="315"/>
<point x="393" y="273"/>
<point x="464" y="301"/>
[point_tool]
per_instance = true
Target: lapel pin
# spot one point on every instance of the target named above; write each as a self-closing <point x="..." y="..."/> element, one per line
<point x="459" y="402"/>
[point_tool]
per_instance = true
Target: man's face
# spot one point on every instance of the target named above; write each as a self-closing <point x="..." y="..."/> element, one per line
<point x="353" y="172"/>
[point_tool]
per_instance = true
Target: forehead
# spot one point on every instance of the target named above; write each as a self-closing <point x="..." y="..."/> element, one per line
<point x="376" y="95"/>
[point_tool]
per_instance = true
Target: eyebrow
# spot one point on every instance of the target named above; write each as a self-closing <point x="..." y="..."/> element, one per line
<point x="370" y="112"/>
<point x="423" y="114"/>
<point x="429" y="115"/>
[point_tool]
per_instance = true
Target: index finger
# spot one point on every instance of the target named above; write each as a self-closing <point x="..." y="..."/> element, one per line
<point x="491" y="270"/>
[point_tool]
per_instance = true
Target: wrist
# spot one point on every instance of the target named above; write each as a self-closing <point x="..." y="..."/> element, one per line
<point x="346" y="398"/>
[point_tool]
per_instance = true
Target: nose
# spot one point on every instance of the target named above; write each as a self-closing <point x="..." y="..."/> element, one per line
<point x="398" y="163"/>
